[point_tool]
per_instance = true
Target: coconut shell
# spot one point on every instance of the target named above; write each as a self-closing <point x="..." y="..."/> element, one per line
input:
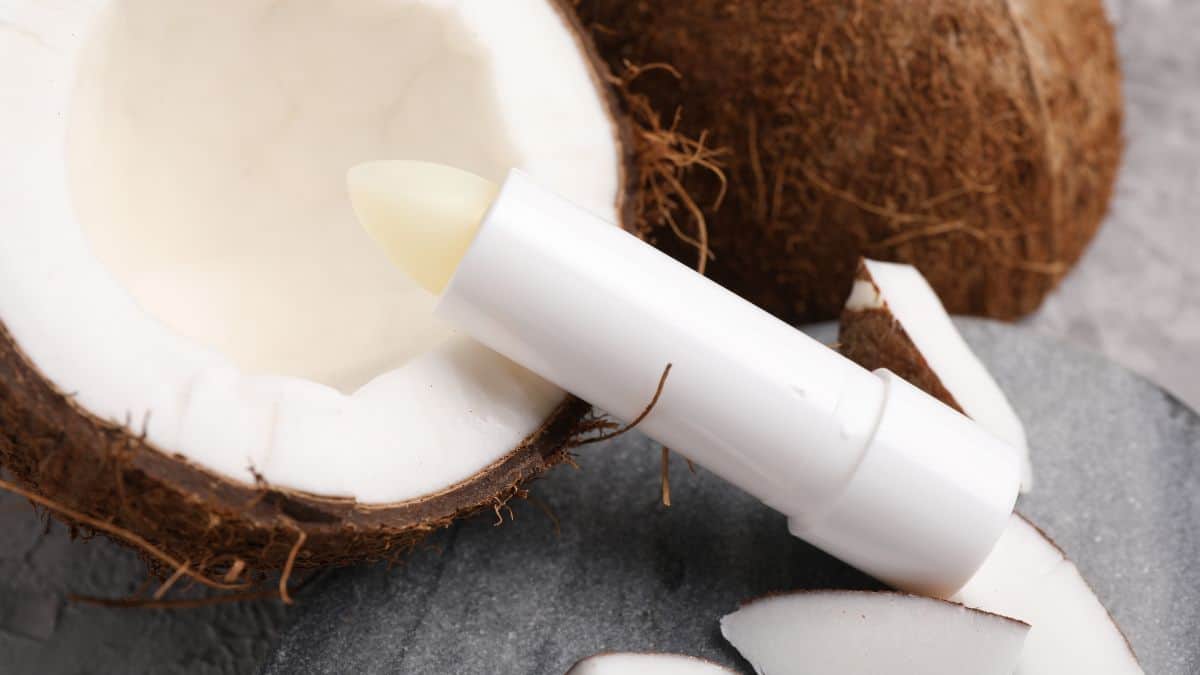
<point x="63" y="453"/>
<point x="977" y="140"/>
<point x="67" y="457"/>
<point x="873" y="338"/>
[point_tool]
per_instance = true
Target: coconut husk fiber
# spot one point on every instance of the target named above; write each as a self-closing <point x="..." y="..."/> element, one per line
<point x="874" y="338"/>
<point x="975" y="139"/>
<point x="106" y="478"/>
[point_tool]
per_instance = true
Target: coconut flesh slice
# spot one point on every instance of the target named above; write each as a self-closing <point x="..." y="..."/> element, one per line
<point x="633" y="663"/>
<point x="188" y="308"/>
<point x="893" y="319"/>
<point x="1026" y="576"/>
<point x="868" y="632"/>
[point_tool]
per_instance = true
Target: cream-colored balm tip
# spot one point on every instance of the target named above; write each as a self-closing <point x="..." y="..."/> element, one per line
<point x="424" y="215"/>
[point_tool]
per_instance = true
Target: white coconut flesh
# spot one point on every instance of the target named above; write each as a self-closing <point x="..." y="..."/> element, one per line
<point x="179" y="252"/>
<point x="1027" y="577"/>
<point x="862" y="632"/>
<point x="632" y="663"/>
<point x="912" y="301"/>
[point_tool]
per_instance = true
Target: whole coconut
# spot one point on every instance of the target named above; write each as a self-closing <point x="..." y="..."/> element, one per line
<point x="975" y="139"/>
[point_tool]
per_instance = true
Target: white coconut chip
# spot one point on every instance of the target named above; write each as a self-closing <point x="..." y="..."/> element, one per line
<point x="178" y="251"/>
<point x="1027" y="577"/>
<point x="912" y="301"/>
<point x="630" y="663"/>
<point x="866" y="633"/>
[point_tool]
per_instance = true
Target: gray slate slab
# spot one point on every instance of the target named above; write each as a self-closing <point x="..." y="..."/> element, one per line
<point x="1117" y="464"/>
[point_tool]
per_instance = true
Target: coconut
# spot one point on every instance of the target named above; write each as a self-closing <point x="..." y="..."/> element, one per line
<point x="1057" y="623"/>
<point x="893" y="320"/>
<point x="201" y="353"/>
<point x="864" y="632"/>
<point x="1027" y="576"/>
<point x="977" y="141"/>
<point x="639" y="663"/>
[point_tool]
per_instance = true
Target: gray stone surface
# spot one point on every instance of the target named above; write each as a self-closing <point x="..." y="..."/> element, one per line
<point x="41" y="632"/>
<point x="1118" y="487"/>
<point x="1136" y="294"/>
<point x="1117" y="466"/>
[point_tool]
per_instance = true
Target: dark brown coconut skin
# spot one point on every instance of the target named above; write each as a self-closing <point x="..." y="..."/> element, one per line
<point x="61" y="452"/>
<point x="977" y="140"/>
<point x="874" y="338"/>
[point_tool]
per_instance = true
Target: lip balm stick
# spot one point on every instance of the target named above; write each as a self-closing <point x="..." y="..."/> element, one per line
<point x="866" y="466"/>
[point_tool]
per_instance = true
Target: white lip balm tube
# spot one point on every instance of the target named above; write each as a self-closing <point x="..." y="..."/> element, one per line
<point x="866" y="466"/>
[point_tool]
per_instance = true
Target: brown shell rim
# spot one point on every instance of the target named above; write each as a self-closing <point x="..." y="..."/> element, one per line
<point x="856" y="322"/>
<point x="878" y="591"/>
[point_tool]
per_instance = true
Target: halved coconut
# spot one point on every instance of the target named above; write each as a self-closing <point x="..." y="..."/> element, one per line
<point x="633" y="663"/>
<point x="198" y="344"/>
<point x="852" y="632"/>
<point x="893" y="319"/>
<point x="1026" y="576"/>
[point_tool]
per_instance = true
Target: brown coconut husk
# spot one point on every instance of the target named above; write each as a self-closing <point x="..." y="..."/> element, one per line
<point x="103" y="477"/>
<point x="975" y="140"/>
<point x="873" y="338"/>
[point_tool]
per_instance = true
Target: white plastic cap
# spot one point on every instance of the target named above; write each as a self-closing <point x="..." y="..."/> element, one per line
<point x="928" y="501"/>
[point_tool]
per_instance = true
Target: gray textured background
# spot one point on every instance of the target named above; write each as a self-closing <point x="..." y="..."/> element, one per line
<point x="1117" y="466"/>
<point x="1133" y="298"/>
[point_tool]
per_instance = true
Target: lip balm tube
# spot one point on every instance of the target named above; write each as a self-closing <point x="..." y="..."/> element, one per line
<point x="865" y="466"/>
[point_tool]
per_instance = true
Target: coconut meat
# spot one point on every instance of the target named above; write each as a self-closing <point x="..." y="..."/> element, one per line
<point x="1027" y="577"/>
<point x="863" y="632"/>
<point x="179" y="254"/>
<point x="903" y="291"/>
<point x="633" y="663"/>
